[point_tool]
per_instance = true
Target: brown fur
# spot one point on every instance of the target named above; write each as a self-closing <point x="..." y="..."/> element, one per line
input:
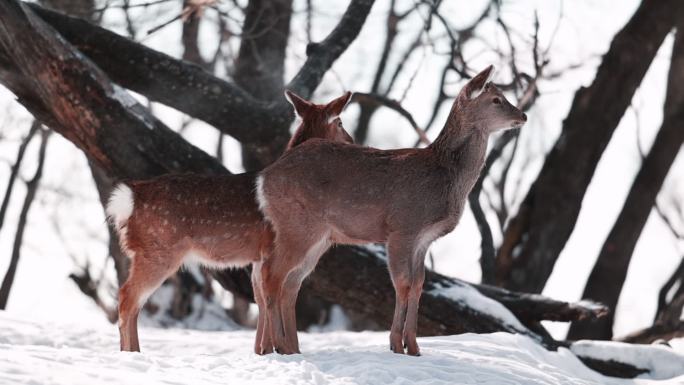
<point x="325" y="193"/>
<point x="213" y="219"/>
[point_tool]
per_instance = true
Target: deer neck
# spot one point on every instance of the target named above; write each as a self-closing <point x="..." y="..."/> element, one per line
<point x="460" y="149"/>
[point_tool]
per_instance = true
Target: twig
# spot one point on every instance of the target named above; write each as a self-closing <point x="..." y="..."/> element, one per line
<point x="361" y="97"/>
<point x="32" y="188"/>
<point x="14" y="171"/>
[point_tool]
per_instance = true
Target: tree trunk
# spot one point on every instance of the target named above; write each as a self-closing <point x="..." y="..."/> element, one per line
<point x="608" y="276"/>
<point x="538" y="233"/>
<point x="260" y="70"/>
<point x="104" y="185"/>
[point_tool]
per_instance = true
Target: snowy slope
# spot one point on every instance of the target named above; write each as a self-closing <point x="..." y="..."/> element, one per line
<point x="32" y="353"/>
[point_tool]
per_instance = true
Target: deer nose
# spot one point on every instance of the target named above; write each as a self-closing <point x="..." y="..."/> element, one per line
<point x="524" y="117"/>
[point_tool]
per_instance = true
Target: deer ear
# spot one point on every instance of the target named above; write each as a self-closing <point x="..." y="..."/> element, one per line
<point x="336" y="107"/>
<point x="477" y="84"/>
<point x="301" y="106"/>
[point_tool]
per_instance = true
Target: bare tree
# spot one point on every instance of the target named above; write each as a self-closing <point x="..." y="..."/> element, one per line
<point x="535" y="237"/>
<point x="31" y="189"/>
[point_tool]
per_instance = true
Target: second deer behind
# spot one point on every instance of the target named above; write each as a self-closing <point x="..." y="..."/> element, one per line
<point x="212" y="220"/>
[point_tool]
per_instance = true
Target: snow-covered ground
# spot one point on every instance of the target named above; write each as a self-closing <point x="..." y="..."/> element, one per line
<point x="60" y="353"/>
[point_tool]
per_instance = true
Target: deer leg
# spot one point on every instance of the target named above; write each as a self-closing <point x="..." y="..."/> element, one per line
<point x="262" y="342"/>
<point x="273" y="273"/>
<point x="400" y="271"/>
<point x="144" y="278"/>
<point x="287" y="308"/>
<point x="293" y="284"/>
<point x="411" y="326"/>
<point x="128" y="308"/>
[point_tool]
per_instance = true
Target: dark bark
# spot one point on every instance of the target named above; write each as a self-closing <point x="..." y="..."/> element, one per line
<point x="260" y="65"/>
<point x="104" y="185"/>
<point x="260" y="68"/>
<point x="31" y="189"/>
<point x="608" y="275"/>
<point x="656" y="332"/>
<point x="14" y="170"/>
<point x="612" y="368"/>
<point x="677" y="278"/>
<point x="189" y="39"/>
<point x="547" y="216"/>
<point x="88" y="287"/>
<point x="178" y="84"/>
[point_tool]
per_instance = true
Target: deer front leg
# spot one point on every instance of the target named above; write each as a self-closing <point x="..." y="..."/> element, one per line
<point x="288" y="304"/>
<point x="411" y="326"/>
<point x="400" y="251"/>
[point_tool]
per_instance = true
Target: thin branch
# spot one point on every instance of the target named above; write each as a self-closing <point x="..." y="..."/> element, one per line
<point x="321" y="56"/>
<point x="31" y="189"/>
<point x="380" y="100"/>
<point x="14" y="171"/>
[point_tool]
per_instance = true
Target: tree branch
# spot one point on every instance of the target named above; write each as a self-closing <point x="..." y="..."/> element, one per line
<point x="31" y="189"/>
<point x="321" y="56"/>
<point x="14" y="171"/>
<point x="178" y="84"/>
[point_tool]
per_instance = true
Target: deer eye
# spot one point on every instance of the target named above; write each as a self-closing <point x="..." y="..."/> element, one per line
<point x="496" y="100"/>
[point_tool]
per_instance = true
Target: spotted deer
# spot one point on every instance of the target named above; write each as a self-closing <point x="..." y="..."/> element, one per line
<point x="212" y="220"/>
<point x="323" y="193"/>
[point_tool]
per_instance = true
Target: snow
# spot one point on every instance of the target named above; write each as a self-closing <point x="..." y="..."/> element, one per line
<point x="660" y="360"/>
<point x="468" y="295"/>
<point x="61" y="353"/>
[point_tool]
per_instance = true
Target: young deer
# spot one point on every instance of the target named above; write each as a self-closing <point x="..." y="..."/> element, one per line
<point x="214" y="220"/>
<point x="323" y="193"/>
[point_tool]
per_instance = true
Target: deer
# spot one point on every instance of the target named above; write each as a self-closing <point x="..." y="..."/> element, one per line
<point x="176" y="219"/>
<point x="324" y="193"/>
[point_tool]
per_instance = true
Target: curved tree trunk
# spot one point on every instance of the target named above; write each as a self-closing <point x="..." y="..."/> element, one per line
<point x="538" y="233"/>
<point x="608" y="276"/>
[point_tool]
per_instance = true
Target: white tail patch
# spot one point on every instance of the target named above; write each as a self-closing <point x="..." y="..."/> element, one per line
<point x="260" y="197"/>
<point x="120" y="205"/>
<point x="119" y="209"/>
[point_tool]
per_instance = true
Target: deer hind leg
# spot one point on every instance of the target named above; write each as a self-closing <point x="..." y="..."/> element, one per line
<point x="291" y="288"/>
<point x="411" y="326"/>
<point x="144" y="278"/>
<point x="262" y="341"/>
<point x="289" y="254"/>
<point x="400" y="250"/>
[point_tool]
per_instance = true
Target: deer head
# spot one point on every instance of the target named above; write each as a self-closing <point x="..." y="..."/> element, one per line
<point x="319" y="120"/>
<point x="482" y="108"/>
